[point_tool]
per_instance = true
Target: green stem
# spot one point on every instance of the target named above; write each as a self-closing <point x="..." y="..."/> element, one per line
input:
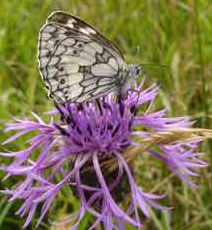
<point x="205" y="121"/>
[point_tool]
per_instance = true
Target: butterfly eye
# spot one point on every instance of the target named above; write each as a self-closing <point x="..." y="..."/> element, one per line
<point x="137" y="72"/>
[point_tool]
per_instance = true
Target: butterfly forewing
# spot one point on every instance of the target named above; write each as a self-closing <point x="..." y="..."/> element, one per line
<point x="79" y="26"/>
<point x="76" y="62"/>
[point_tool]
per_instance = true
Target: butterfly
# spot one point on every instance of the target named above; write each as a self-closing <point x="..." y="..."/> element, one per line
<point x="79" y="64"/>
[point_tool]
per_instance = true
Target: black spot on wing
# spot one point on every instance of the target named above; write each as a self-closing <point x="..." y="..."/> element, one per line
<point x="62" y="81"/>
<point x="61" y="69"/>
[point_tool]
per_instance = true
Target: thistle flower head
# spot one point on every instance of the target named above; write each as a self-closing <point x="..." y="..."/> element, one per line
<point x="75" y="148"/>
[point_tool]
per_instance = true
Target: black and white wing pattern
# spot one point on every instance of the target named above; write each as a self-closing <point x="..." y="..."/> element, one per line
<point x="76" y="62"/>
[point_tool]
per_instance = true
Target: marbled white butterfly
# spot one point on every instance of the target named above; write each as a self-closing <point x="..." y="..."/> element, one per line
<point x="79" y="64"/>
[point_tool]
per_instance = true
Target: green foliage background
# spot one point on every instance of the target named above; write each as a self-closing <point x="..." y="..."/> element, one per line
<point x="175" y="43"/>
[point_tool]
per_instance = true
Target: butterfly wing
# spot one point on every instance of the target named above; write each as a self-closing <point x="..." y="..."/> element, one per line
<point x="76" y="62"/>
<point x="78" y="25"/>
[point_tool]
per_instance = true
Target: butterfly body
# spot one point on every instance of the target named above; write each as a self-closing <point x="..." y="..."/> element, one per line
<point x="77" y="63"/>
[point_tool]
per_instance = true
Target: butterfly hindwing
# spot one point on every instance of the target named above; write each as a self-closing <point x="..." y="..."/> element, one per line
<point x="74" y="63"/>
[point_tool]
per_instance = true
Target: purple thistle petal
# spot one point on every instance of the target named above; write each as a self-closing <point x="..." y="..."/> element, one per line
<point x="111" y="203"/>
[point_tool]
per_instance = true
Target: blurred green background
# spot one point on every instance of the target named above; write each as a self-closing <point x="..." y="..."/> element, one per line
<point x="173" y="41"/>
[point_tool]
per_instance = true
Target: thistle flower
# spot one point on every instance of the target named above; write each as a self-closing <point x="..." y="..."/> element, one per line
<point x="76" y="148"/>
